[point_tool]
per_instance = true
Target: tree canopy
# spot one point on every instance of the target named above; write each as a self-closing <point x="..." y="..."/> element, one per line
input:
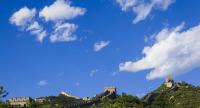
<point x="3" y="92"/>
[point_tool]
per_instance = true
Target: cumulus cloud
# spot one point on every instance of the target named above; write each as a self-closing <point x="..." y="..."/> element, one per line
<point x="59" y="13"/>
<point x="35" y="29"/>
<point x="174" y="52"/>
<point x="25" y="19"/>
<point x="100" y="45"/>
<point x="64" y="32"/>
<point x="143" y="8"/>
<point x="23" y="16"/>
<point x="42" y="83"/>
<point x="61" y="10"/>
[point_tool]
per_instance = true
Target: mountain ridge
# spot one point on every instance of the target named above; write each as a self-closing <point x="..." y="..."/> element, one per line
<point x="169" y="94"/>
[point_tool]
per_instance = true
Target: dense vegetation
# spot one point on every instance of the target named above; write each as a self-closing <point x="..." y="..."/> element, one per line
<point x="182" y="95"/>
<point x="121" y="101"/>
<point x="60" y="101"/>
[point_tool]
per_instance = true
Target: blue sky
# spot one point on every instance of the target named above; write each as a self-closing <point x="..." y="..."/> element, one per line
<point x="35" y="68"/>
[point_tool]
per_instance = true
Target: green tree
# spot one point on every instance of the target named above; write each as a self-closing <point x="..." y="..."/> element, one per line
<point x="121" y="101"/>
<point x="3" y="92"/>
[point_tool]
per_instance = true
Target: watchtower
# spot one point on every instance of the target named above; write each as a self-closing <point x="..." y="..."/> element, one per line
<point x="169" y="82"/>
<point x="110" y="89"/>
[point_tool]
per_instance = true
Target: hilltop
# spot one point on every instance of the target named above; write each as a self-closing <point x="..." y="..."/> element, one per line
<point x="168" y="95"/>
<point x="178" y="95"/>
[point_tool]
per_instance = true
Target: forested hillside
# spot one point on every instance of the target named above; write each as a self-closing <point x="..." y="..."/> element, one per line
<point x="180" y="95"/>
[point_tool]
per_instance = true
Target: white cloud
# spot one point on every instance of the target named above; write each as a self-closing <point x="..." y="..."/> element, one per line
<point x="42" y="83"/>
<point x="23" y="16"/>
<point x="25" y="19"/>
<point x="126" y="4"/>
<point x="142" y="9"/>
<point x="174" y="52"/>
<point x="100" y="45"/>
<point x="61" y="10"/>
<point x="163" y="4"/>
<point x="93" y="72"/>
<point x="36" y="29"/>
<point x="59" y="13"/>
<point x="64" y="32"/>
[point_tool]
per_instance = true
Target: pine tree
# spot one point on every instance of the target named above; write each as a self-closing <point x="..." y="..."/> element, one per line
<point x="3" y="92"/>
